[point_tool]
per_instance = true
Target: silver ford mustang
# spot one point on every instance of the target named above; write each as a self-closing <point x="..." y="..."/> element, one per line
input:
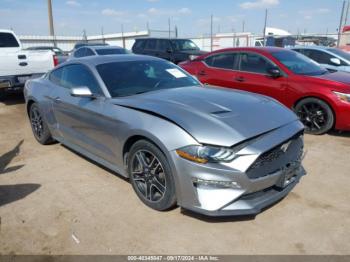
<point x="213" y="151"/>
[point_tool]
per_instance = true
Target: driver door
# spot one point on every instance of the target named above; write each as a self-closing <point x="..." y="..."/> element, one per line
<point x="80" y="121"/>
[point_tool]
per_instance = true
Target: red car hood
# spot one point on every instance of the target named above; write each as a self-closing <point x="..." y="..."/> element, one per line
<point x="341" y="77"/>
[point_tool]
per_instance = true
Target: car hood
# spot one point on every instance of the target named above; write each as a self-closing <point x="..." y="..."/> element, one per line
<point x="213" y="115"/>
<point x="341" y="77"/>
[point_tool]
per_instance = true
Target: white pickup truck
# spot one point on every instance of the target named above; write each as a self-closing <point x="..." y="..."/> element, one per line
<point x="17" y="65"/>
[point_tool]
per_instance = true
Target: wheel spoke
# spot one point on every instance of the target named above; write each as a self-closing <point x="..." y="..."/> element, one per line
<point x="141" y="159"/>
<point x="148" y="191"/>
<point x="158" y="185"/>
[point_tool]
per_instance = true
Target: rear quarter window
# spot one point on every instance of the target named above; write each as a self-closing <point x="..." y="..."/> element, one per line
<point x="8" y="40"/>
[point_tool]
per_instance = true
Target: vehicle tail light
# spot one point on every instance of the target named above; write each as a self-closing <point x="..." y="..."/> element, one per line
<point x="55" y="60"/>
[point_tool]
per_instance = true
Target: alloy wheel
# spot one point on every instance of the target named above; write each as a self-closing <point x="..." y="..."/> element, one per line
<point x="37" y="122"/>
<point x="313" y="115"/>
<point x="149" y="175"/>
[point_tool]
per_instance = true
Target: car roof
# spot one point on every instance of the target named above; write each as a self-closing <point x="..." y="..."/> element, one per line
<point x="161" y="38"/>
<point x="97" y="60"/>
<point x="316" y="47"/>
<point x="102" y="47"/>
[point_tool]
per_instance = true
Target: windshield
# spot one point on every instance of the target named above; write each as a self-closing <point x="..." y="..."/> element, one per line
<point x="110" y="51"/>
<point x="299" y="63"/>
<point x="184" y="45"/>
<point x="340" y="53"/>
<point x="135" y="77"/>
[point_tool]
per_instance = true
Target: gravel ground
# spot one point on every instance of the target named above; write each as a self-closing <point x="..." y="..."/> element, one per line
<point x="53" y="201"/>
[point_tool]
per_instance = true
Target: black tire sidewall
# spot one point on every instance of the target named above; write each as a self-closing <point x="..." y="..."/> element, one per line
<point x="46" y="138"/>
<point x="330" y="122"/>
<point x="169" y="199"/>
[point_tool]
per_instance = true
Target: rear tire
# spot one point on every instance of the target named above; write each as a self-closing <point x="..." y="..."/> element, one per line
<point x="39" y="127"/>
<point x="316" y="115"/>
<point x="151" y="177"/>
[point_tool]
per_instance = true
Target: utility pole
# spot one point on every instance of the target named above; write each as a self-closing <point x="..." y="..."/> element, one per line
<point x="103" y="35"/>
<point x="211" y="33"/>
<point x="264" y="33"/>
<point x="340" y="23"/>
<point x="123" y="38"/>
<point x="51" y="27"/>
<point x="243" y="26"/>
<point x="169" y="27"/>
<point x="176" y="31"/>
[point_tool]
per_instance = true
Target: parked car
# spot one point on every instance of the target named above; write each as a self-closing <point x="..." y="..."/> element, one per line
<point x="60" y="54"/>
<point x="174" y="50"/>
<point x="84" y="43"/>
<point x="98" y="50"/>
<point x="320" y="98"/>
<point x="331" y="58"/>
<point x="17" y="65"/>
<point x="214" y="151"/>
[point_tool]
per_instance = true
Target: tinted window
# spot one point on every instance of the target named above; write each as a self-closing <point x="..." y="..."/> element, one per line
<point x="56" y="75"/>
<point x="151" y="44"/>
<point x="254" y="63"/>
<point x="139" y="44"/>
<point x="89" y="52"/>
<point x="318" y="56"/>
<point x="134" y="77"/>
<point x="163" y="45"/>
<point x="226" y="61"/>
<point x="8" y="40"/>
<point x="80" y="52"/>
<point x="78" y="76"/>
<point x="298" y="63"/>
<point x="183" y="45"/>
<point x="110" y="51"/>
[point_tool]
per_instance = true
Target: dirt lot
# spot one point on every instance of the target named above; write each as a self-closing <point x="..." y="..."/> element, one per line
<point x="53" y="201"/>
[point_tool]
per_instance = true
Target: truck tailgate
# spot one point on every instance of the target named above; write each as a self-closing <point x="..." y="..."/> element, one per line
<point x="25" y="62"/>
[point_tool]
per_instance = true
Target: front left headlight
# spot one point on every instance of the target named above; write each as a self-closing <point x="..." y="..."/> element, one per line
<point x="342" y="96"/>
<point x="205" y="154"/>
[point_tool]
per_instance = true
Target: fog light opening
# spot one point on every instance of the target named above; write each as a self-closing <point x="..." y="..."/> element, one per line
<point x="202" y="183"/>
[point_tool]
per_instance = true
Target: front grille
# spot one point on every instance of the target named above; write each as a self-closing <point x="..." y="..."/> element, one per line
<point x="276" y="158"/>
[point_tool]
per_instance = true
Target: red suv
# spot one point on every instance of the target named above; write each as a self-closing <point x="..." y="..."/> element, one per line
<point x="320" y="98"/>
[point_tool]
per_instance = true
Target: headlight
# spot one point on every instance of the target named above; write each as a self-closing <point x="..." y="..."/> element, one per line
<point x="342" y="96"/>
<point x="192" y="57"/>
<point x="205" y="154"/>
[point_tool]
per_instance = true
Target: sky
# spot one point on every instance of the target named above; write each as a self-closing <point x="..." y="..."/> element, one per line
<point x="192" y="17"/>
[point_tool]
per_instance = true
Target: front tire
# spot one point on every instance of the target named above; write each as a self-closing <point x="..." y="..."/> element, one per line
<point x="316" y="115"/>
<point x="39" y="127"/>
<point x="151" y="177"/>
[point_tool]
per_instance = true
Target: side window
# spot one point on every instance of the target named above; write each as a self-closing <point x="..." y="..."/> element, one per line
<point x="80" y="52"/>
<point x="225" y="61"/>
<point x="163" y="45"/>
<point x="254" y="63"/>
<point x="139" y="44"/>
<point x="56" y="76"/>
<point x="79" y="75"/>
<point x="320" y="57"/>
<point x="89" y="52"/>
<point x="151" y="44"/>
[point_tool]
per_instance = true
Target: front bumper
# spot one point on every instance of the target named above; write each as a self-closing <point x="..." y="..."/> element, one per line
<point x="248" y="194"/>
<point x="342" y="116"/>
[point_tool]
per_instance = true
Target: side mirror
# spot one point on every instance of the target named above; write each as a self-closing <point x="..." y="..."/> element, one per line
<point x="274" y="72"/>
<point x="82" y="91"/>
<point x="335" y="61"/>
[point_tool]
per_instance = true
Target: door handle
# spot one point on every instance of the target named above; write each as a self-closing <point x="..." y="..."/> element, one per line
<point x="202" y="73"/>
<point x="23" y="64"/>
<point x="22" y="57"/>
<point x="240" y="79"/>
